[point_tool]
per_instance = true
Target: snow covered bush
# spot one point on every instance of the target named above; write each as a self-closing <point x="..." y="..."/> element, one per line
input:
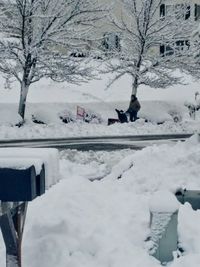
<point x="150" y="113"/>
<point x="176" y="116"/>
<point x="160" y="112"/>
<point x="66" y="116"/>
<point x="192" y="107"/>
<point x="50" y="116"/>
<point x="92" y="117"/>
<point x="45" y="116"/>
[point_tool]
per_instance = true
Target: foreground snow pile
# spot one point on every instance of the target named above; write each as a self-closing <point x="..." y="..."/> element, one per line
<point x="162" y="167"/>
<point x="164" y="201"/>
<point x="105" y="223"/>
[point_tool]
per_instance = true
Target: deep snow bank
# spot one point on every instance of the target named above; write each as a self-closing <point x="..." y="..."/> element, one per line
<point x="154" y="111"/>
<point x="105" y="223"/>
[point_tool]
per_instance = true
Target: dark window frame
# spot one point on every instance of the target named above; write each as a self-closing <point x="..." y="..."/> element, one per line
<point x="196" y="12"/>
<point x="178" y="45"/>
<point x="176" y="7"/>
<point x="107" y="44"/>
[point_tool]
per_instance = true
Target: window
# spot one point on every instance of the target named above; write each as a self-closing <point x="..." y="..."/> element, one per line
<point x="178" y="47"/>
<point x="181" y="46"/>
<point x="196" y="12"/>
<point x="180" y="11"/>
<point x="166" y="50"/>
<point x="162" y="10"/>
<point x="187" y="14"/>
<point x="111" y="42"/>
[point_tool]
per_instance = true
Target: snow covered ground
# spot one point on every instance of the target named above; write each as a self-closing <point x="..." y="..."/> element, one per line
<point x="155" y="111"/>
<point x="104" y="223"/>
<point x="47" y="99"/>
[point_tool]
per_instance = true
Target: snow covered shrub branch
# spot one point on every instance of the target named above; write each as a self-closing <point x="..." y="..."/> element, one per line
<point x="39" y="36"/>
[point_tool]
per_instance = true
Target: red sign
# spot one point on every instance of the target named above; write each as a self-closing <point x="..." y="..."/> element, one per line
<point x="80" y="113"/>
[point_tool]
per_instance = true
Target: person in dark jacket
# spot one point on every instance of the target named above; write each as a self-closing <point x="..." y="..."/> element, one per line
<point x="134" y="107"/>
<point x="122" y="116"/>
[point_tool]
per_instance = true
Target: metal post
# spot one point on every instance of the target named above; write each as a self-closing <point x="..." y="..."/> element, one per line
<point x="12" y="223"/>
<point x="164" y="235"/>
<point x="163" y="223"/>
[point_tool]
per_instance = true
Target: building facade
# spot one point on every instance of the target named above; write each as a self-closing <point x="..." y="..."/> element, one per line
<point x="110" y="36"/>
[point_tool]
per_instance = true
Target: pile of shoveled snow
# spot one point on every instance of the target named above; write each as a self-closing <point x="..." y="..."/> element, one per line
<point x="49" y="113"/>
<point x="105" y="223"/>
<point x="165" y="167"/>
<point x="154" y="112"/>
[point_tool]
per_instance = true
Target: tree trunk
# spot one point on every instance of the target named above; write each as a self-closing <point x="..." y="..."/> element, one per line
<point x="23" y="97"/>
<point x="134" y="86"/>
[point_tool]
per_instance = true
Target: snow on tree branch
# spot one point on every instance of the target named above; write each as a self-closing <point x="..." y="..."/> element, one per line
<point x="155" y="40"/>
<point x="38" y="38"/>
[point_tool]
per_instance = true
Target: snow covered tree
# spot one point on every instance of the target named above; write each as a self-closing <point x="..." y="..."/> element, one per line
<point x="154" y="40"/>
<point x="38" y="37"/>
<point x="193" y="61"/>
